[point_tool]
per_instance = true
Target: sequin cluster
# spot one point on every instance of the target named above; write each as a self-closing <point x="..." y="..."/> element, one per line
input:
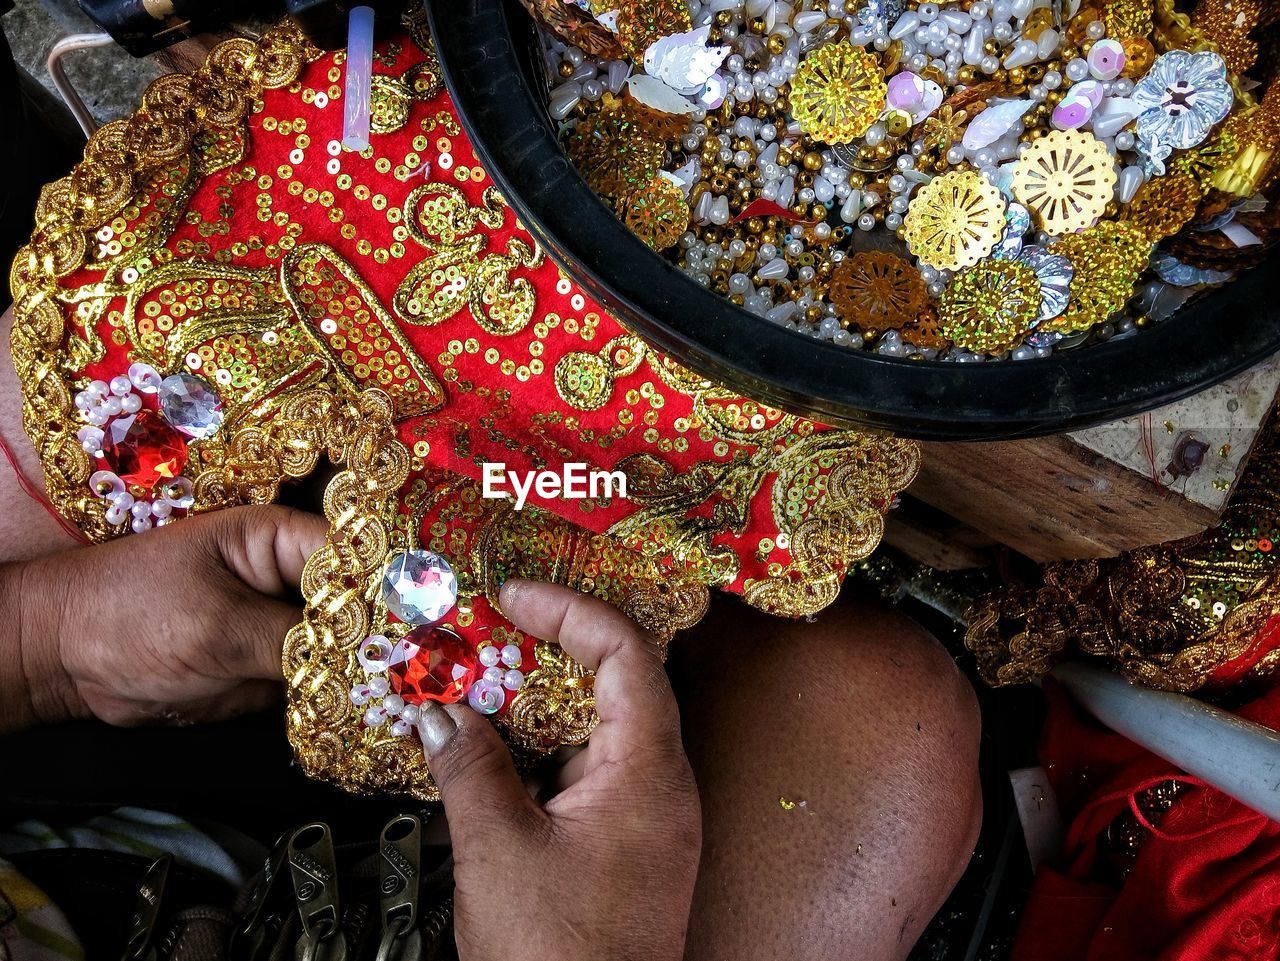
<point x="142" y="450"/>
<point x="429" y="662"/>
<point x="1020" y="161"/>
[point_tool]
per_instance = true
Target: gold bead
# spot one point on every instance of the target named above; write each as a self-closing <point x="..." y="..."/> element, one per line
<point x="777" y="44"/>
<point x="566" y="69"/>
<point x="897" y="123"/>
<point x="813" y="314"/>
<point x="757" y="25"/>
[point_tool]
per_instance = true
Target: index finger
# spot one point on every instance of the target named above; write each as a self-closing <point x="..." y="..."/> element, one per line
<point x="633" y="695"/>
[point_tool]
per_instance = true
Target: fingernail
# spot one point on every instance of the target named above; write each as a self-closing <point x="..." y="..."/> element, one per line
<point x="435" y="726"/>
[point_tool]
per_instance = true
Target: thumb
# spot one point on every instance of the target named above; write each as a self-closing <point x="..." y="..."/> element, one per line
<point x="266" y="547"/>
<point x="476" y="776"/>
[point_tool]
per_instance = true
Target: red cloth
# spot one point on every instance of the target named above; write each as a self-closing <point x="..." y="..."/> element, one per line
<point x="1205" y="885"/>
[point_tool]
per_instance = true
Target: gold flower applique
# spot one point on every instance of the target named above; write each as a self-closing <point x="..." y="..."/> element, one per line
<point x="1108" y="260"/>
<point x="642" y="22"/>
<point x="613" y="154"/>
<point x="1066" y="178"/>
<point x="876" y="291"/>
<point x="657" y="213"/>
<point x="955" y="220"/>
<point x="1165" y="205"/>
<point x="838" y="93"/>
<point x="944" y="128"/>
<point x="989" y="308"/>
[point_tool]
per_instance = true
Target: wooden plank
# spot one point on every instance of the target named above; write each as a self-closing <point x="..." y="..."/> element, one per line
<point x="951" y="546"/>
<point x="1052" y="499"/>
<point x="1108" y="489"/>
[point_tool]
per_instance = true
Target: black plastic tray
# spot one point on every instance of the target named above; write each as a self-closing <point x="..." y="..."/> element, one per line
<point x="484" y="46"/>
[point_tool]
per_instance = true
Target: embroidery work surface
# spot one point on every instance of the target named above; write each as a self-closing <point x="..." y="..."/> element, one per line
<point x="1203" y="612"/>
<point x="220" y="296"/>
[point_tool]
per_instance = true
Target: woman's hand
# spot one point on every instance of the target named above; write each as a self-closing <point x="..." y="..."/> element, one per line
<point x="604" y="870"/>
<point x="178" y="625"/>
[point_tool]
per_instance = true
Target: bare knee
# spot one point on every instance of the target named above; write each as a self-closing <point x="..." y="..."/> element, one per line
<point x="837" y="760"/>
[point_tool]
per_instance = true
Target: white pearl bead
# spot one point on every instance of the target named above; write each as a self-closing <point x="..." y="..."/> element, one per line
<point x="116" y="515"/>
<point x="121" y="386"/>
<point x="378" y="686"/>
<point x="131" y="404"/>
<point x="513" y="680"/>
<point x="141" y="525"/>
<point x="375" y="717"/>
<point x="393" y="703"/>
<point x="410" y="713"/>
<point x="489" y="655"/>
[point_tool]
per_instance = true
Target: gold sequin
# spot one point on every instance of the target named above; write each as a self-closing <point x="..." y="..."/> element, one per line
<point x="955" y="220"/>
<point x="990" y="308"/>
<point x="1066" y="178"/>
<point x="838" y="92"/>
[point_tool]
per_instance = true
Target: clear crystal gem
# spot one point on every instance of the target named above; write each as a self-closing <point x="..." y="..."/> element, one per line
<point x="190" y="405"/>
<point x="419" y="587"/>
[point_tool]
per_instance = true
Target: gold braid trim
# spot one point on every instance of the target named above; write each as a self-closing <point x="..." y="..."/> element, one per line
<point x="48" y="353"/>
<point x="1169" y="616"/>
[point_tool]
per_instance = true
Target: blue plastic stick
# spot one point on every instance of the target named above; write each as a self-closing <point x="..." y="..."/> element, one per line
<point x="355" y="118"/>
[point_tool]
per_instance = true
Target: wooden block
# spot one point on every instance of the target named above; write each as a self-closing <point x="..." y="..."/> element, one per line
<point x="930" y="537"/>
<point x="1052" y="499"/>
<point x="1109" y="489"/>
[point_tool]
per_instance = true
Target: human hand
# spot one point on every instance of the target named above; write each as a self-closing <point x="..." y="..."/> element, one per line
<point x="606" y="868"/>
<point x="182" y="624"/>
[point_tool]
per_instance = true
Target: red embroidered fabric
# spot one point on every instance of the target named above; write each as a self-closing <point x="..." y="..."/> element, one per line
<point x="1204" y="884"/>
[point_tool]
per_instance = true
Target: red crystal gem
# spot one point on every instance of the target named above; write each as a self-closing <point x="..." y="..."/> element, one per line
<point x="433" y="664"/>
<point x="143" y="449"/>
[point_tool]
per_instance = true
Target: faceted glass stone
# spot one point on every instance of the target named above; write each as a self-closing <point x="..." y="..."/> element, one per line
<point x="433" y="664"/>
<point x="419" y="587"/>
<point x="142" y="449"/>
<point x="190" y="405"/>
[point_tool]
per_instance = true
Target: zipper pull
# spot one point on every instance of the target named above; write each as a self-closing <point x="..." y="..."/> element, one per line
<point x="260" y="925"/>
<point x="400" y="859"/>
<point x="142" y="929"/>
<point x="314" y="869"/>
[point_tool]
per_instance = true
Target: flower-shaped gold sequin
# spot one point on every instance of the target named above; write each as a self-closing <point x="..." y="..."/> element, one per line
<point x="955" y="220"/>
<point x="944" y="128"/>
<point x="989" y="308"/>
<point x="1214" y="155"/>
<point x="1108" y="260"/>
<point x="876" y="291"/>
<point x="642" y="22"/>
<point x="1066" y="178"/>
<point x="657" y="213"/>
<point x="1164" y="205"/>
<point x="838" y="92"/>
<point x="925" y="332"/>
<point x="613" y="154"/>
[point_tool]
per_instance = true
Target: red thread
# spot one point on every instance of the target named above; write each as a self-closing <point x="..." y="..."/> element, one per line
<point x="29" y="489"/>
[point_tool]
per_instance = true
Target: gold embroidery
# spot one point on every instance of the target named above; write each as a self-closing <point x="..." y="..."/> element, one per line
<point x="585" y="381"/>
<point x="340" y="583"/>
<point x="1168" y="616"/>
<point x="828" y="501"/>
<point x="392" y="97"/>
<point x="455" y="275"/>
<point x="120" y="159"/>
